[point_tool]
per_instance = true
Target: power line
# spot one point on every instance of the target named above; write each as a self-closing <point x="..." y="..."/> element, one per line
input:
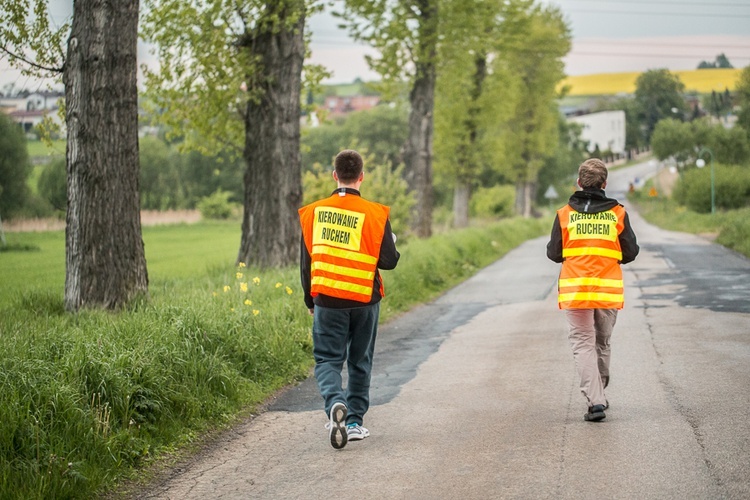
<point x="671" y="56"/>
<point x="672" y="14"/>
<point x="662" y="44"/>
<point x="673" y="4"/>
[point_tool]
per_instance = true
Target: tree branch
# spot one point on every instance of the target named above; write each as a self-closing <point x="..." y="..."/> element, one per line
<point x="31" y="63"/>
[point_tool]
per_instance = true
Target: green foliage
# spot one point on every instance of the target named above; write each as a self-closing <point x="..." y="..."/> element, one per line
<point x="88" y="397"/>
<point x="381" y="131"/>
<point x="731" y="185"/>
<point x="215" y="40"/>
<point x="52" y="184"/>
<point x="217" y="206"/>
<point x="383" y="184"/>
<point x="657" y="93"/>
<point x="560" y="169"/>
<point x="742" y="89"/>
<point x="683" y="141"/>
<point x="26" y="35"/>
<point x="14" y="168"/>
<point x="173" y="179"/>
<point x="493" y="202"/>
<point x="735" y="231"/>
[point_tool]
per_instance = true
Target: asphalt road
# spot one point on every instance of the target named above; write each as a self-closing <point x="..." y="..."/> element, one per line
<point x="475" y="395"/>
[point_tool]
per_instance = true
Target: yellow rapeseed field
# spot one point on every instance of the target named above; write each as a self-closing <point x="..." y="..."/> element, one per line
<point x="702" y="81"/>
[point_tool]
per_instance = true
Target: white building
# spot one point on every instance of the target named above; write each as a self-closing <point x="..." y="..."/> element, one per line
<point x="605" y="129"/>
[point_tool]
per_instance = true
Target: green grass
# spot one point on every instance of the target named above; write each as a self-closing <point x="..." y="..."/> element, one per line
<point x="731" y="227"/>
<point x="41" y="148"/>
<point x="92" y="398"/>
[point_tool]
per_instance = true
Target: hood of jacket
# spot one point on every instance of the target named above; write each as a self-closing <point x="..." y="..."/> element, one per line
<point x="591" y="201"/>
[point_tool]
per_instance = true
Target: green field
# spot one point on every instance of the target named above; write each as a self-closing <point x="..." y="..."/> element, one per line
<point x="41" y="148"/>
<point x="172" y="252"/>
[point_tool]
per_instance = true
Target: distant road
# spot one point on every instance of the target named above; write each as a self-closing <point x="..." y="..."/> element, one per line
<point x="475" y="395"/>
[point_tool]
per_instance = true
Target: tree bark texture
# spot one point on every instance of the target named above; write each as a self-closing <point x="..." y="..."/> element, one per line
<point x="418" y="147"/>
<point x="105" y="260"/>
<point x="461" y="200"/>
<point x="273" y="177"/>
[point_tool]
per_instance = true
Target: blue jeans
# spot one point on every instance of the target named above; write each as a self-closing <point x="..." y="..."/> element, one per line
<point x="345" y="335"/>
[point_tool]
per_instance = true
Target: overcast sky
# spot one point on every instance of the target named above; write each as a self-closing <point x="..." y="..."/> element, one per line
<point x="608" y="36"/>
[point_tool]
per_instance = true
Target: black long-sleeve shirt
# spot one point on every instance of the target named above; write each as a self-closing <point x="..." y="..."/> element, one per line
<point x="387" y="260"/>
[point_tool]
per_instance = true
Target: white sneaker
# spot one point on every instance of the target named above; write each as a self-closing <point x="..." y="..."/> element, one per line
<point x="337" y="432"/>
<point x="356" y="432"/>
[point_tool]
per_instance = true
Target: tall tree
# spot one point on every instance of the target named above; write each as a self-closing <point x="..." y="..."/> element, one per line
<point x="406" y="34"/>
<point x="473" y="99"/>
<point x="230" y="78"/>
<point x="533" y="129"/>
<point x="105" y="260"/>
<point x="742" y="88"/>
<point x="658" y="95"/>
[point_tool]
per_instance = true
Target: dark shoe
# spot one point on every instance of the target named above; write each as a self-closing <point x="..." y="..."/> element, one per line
<point x="337" y="426"/>
<point x="595" y="414"/>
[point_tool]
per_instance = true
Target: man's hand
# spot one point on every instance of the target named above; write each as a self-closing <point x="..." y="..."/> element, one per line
<point x="312" y="311"/>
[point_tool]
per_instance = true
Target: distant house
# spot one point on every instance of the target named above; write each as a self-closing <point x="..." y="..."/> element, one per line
<point x="43" y="100"/>
<point x="29" y="111"/>
<point x="336" y="105"/>
<point x="605" y="130"/>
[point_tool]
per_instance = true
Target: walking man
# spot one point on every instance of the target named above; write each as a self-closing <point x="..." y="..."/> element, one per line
<point x="345" y="240"/>
<point x="591" y="237"/>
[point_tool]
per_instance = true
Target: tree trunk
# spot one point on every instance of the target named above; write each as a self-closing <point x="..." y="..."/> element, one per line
<point x="524" y="190"/>
<point x="105" y="261"/>
<point x="461" y="197"/>
<point x="273" y="178"/>
<point x="418" y="147"/>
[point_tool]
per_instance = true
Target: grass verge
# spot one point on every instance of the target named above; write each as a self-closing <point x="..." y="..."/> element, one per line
<point x="731" y="227"/>
<point x="88" y="399"/>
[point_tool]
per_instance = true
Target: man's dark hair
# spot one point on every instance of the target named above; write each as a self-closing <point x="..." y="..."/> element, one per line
<point x="348" y="165"/>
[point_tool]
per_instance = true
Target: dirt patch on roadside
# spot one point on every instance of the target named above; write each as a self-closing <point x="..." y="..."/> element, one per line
<point x="148" y="218"/>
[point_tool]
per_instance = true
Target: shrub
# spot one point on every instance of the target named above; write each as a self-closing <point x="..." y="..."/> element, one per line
<point x="495" y="201"/>
<point x="731" y="187"/>
<point x="217" y="206"/>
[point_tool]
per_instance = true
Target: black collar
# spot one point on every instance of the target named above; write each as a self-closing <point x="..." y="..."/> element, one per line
<point x="345" y="190"/>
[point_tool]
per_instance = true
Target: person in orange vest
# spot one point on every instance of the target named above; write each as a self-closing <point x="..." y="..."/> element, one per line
<point x="345" y="240"/>
<point x="592" y="237"/>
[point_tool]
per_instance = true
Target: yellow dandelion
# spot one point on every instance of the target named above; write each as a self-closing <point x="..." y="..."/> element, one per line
<point x="278" y="285"/>
<point x="256" y="312"/>
<point x="215" y="294"/>
<point x="231" y="309"/>
<point x="239" y="276"/>
<point x="243" y="286"/>
<point x="227" y="288"/>
<point x="248" y="302"/>
<point x="256" y="280"/>
<point x="289" y="290"/>
<point x="242" y="264"/>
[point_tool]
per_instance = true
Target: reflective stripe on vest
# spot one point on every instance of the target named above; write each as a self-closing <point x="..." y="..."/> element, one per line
<point x="591" y="277"/>
<point x="343" y="235"/>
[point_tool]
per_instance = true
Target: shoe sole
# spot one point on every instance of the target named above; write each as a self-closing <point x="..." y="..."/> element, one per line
<point x="594" y="417"/>
<point x="337" y="433"/>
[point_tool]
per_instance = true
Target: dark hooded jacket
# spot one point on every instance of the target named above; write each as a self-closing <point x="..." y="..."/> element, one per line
<point x="593" y="201"/>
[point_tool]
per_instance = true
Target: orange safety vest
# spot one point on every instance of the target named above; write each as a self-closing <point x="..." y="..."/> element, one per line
<point x="343" y="235"/>
<point x="591" y="277"/>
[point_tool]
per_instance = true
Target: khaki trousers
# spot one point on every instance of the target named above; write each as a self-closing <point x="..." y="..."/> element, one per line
<point x="589" y="334"/>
